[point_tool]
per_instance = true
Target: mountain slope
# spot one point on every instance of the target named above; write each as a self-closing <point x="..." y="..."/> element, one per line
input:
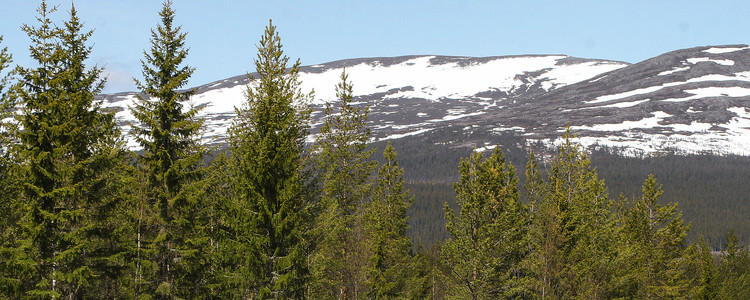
<point x="687" y="101"/>
<point x="408" y="95"/>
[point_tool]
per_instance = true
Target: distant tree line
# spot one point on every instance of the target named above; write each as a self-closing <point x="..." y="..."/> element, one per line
<point x="274" y="218"/>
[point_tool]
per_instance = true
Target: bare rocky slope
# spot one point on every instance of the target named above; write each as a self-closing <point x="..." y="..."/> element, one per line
<point x="686" y="101"/>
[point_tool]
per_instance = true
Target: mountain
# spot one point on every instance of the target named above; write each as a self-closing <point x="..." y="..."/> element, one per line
<point x="686" y="101"/>
<point x="408" y="95"/>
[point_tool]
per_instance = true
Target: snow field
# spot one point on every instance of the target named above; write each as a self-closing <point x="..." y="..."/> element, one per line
<point x="725" y="62"/>
<point x="722" y="50"/>
<point x="710" y="92"/>
<point x="693" y="138"/>
<point x="418" y="78"/>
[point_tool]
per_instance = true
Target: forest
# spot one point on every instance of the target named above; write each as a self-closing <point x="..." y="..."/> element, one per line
<point x="271" y="217"/>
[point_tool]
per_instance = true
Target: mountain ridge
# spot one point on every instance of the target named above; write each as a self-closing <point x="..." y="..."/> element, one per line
<point x="692" y="100"/>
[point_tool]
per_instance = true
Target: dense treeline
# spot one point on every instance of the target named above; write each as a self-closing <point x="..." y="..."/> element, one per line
<point x="272" y="217"/>
<point x="710" y="189"/>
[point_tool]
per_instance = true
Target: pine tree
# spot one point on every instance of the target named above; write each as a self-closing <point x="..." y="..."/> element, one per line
<point x="734" y="269"/>
<point x="488" y="243"/>
<point x="426" y="280"/>
<point x="573" y="232"/>
<point x="5" y="79"/>
<point x="72" y="244"/>
<point x="386" y="223"/>
<point x="219" y="195"/>
<point x="343" y="161"/>
<point x="698" y="264"/>
<point x="651" y="259"/>
<point x="534" y="185"/>
<point x="171" y="258"/>
<point x="7" y="106"/>
<point x="9" y="185"/>
<point x="268" y="164"/>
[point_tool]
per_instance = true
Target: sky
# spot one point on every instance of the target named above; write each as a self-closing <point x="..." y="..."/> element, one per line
<point x="222" y="34"/>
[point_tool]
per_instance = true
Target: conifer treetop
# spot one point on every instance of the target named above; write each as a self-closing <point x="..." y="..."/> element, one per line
<point x="162" y="70"/>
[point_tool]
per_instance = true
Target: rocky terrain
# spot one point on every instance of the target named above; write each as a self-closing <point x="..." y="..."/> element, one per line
<point x="686" y="101"/>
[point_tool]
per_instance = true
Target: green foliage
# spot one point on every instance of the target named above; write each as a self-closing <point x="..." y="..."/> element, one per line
<point x="5" y="80"/>
<point x="71" y="243"/>
<point x="572" y="233"/>
<point x="701" y="271"/>
<point x="652" y="247"/>
<point x="343" y="164"/>
<point x="489" y="231"/>
<point x="734" y="269"/>
<point x="426" y="280"/>
<point x="385" y="224"/>
<point x="9" y="187"/>
<point x="705" y="186"/>
<point x="171" y="257"/>
<point x="268" y="162"/>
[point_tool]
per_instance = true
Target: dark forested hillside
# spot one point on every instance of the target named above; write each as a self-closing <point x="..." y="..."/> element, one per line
<point x="711" y="191"/>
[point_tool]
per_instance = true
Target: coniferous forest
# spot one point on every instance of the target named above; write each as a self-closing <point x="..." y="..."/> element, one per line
<point x="271" y="216"/>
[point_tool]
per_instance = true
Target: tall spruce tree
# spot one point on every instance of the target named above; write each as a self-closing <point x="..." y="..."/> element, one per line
<point x="7" y="113"/>
<point x="338" y="264"/>
<point x="9" y="185"/>
<point x="172" y="258"/>
<point x="385" y="225"/>
<point x="572" y="233"/>
<point x="652" y="251"/>
<point x="72" y="155"/>
<point x="488" y="232"/>
<point x="269" y="161"/>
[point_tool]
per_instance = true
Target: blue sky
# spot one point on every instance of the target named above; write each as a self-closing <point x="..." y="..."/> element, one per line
<point x="222" y="34"/>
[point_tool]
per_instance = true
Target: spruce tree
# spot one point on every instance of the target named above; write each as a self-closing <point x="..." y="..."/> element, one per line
<point x="488" y="232"/>
<point x="9" y="185"/>
<point x="268" y="163"/>
<point x="651" y="255"/>
<point x="572" y="233"/>
<point x="343" y="161"/>
<point x="171" y="256"/>
<point x="734" y="269"/>
<point x="7" y="113"/>
<point x="701" y="272"/>
<point x="386" y="223"/>
<point x="5" y="80"/>
<point x="534" y="185"/>
<point x="72" y="242"/>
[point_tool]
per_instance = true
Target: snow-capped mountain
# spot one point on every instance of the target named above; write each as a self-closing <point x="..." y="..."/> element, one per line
<point x="407" y="95"/>
<point x="686" y="101"/>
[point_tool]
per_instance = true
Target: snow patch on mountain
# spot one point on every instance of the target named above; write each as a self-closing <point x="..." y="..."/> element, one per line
<point x="699" y="93"/>
<point x="423" y="78"/>
<point x="649" y="122"/>
<point x="673" y="70"/>
<point x="708" y="92"/>
<point x="403" y="135"/>
<point x="725" y="62"/>
<point x="722" y="50"/>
